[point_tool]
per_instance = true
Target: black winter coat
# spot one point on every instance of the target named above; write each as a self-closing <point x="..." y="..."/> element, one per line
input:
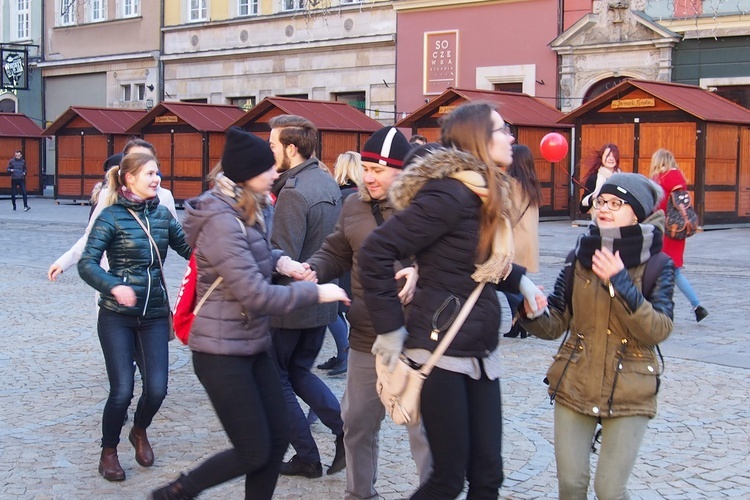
<point x="132" y="260"/>
<point x="440" y="226"/>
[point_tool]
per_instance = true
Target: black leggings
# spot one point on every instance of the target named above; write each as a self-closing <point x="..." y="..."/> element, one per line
<point x="463" y="421"/>
<point x="246" y="394"/>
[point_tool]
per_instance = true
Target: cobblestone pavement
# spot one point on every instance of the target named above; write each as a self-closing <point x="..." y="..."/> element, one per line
<point x="53" y="385"/>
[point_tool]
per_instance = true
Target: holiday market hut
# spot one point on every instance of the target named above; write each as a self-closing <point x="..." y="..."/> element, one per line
<point x="84" y="138"/>
<point x="20" y="133"/>
<point x="341" y="127"/>
<point x="529" y="119"/>
<point x="708" y="135"/>
<point x="189" y="141"/>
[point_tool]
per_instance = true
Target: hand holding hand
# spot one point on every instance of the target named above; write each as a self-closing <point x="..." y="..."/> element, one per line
<point x="605" y="264"/>
<point x="53" y="272"/>
<point x="535" y="301"/>
<point x="288" y="267"/>
<point x="389" y="346"/>
<point x="124" y="295"/>
<point x="309" y="274"/>
<point x="332" y="293"/>
<point x="407" y="292"/>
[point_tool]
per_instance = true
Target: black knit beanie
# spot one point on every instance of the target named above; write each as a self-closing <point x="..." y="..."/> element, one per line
<point x="388" y="147"/>
<point x="245" y="155"/>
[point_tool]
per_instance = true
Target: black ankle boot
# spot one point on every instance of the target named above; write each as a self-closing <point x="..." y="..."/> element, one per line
<point x="339" y="459"/>
<point x="174" y="491"/>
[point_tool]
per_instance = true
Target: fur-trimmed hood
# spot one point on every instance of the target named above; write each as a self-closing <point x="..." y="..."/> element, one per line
<point x="437" y="165"/>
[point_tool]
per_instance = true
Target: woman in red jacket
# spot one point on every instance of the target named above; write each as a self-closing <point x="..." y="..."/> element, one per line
<point x="665" y="171"/>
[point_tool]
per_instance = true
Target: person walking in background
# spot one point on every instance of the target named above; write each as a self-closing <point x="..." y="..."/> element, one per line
<point x="17" y="170"/>
<point x="453" y="214"/>
<point x="308" y="203"/>
<point x="103" y="196"/>
<point x="605" y="163"/>
<point x="133" y="319"/>
<point x="665" y="171"/>
<point x="230" y="338"/>
<point x="607" y="372"/>
<point x="348" y="175"/>
<point x="526" y="195"/>
<point x="383" y="160"/>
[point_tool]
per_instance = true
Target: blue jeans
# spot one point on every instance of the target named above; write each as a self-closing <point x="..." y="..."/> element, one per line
<point x="247" y="396"/>
<point x="340" y="333"/>
<point x="684" y="285"/>
<point x="123" y="339"/>
<point x="295" y="353"/>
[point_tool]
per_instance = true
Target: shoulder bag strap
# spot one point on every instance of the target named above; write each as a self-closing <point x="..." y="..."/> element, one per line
<point x="452" y="331"/>
<point x="218" y="280"/>
<point x="156" y="249"/>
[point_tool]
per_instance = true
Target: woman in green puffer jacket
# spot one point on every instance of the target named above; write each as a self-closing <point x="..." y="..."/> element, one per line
<point x="133" y="320"/>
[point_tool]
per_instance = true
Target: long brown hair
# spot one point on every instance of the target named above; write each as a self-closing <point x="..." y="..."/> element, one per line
<point x="249" y="203"/>
<point x="469" y="129"/>
<point x="522" y="169"/>
<point x="596" y="162"/>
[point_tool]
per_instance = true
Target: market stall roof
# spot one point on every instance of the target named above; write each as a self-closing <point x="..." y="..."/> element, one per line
<point x="516" y="108"/>
<point x="105" y="120"/>
<point x="325" y="115"/>
<point x="18" y="125"/>
<point x="202" y="117"/>
<point x="696" y="101"/>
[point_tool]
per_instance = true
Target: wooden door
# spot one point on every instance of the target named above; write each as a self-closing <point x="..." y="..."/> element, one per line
<point x="719" y="202"/>
<point x="69" y="177"/>
<point x="744" y="184"/>
<point x="554" y="177"/>
<point x="9" y="145"/>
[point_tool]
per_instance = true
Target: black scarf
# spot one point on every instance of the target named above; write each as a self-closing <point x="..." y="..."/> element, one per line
<point x="636" y="244"/>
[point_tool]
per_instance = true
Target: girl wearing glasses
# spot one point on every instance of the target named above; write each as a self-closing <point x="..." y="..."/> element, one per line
<point x="606" y="162"/>
<point x="606" y="371"/>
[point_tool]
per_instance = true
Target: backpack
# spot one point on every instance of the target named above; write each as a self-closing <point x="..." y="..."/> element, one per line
<point x="682" y="221"/>
<point x="185" y="308"/>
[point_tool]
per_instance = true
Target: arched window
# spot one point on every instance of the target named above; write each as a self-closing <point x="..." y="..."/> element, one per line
<point x="601" y="87"/>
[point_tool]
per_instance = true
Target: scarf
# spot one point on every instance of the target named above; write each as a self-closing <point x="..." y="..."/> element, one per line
<point x="131" y="196"/>
<point x="228" y="187"/>
<point x="636" y="244"/>
<point x="498" y="266"/>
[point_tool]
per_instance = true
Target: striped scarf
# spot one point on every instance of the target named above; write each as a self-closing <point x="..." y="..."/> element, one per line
<point x="636" y="243"/>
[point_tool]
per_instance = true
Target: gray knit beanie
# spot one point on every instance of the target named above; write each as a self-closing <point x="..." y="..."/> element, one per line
<point x="638" y="191"/>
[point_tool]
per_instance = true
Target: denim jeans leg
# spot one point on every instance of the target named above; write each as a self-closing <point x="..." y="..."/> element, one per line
<point x="684" y="285"/>
<point x="117" y="338"/>
<point x="152" y="357"/>
<point x="13" y="192"/>
<point x="574" y="433"/>
<point x="621" y="440"/>
<point x="308" y="386"/>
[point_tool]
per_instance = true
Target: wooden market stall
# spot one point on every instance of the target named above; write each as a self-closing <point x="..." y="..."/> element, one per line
<point x="529" y="119"/>
<point x="341" y="127"/>
<point x="189" y="141"/>
<point x="19" y="132"/>
<point x="84" y="138"/>
<point x="708" y="135"/>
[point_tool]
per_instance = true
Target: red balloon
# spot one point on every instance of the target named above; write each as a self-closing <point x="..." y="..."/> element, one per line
<point x="554" y="147"/>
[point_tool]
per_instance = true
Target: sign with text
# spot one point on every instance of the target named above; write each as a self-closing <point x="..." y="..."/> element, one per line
<point x="15" y="62"/>
<point x="440" y="61"/>
<point x="633" y="103"/>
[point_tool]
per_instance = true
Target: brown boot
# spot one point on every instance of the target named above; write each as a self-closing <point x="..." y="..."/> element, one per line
<point x="109" y="465"/>
<point x="144" y="455"/>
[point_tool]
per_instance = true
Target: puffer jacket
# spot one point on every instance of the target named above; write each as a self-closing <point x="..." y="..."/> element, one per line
<point x="340" y="253"/>
<point x="234" y="320"/>
<point x="607" y="366"/>
<point x="308" y="204"/>
<point x="132" y="260"/>
<point x="439" y="225"/>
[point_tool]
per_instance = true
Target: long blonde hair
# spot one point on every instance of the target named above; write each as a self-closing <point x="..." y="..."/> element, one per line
<point x="249" y="203"/>
<point x="348" y="168"/>
<point x="469" y="128"/>
<point x="131" y="164"/>
<point x="661" y="161"/>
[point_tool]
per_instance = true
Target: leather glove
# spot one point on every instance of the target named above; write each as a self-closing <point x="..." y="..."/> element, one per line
<point x="530" y="292"/>
<point x="389" y="346"/>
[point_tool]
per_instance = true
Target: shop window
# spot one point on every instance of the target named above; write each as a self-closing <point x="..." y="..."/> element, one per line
<point x="354" y="99"/>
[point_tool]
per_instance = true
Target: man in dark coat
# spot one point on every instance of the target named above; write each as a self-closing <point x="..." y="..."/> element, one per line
<point x="17" y="170"/>
<point x="308" y="203"/>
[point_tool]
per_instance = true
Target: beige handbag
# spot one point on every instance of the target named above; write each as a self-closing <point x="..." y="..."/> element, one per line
<point x="400" y="390"/>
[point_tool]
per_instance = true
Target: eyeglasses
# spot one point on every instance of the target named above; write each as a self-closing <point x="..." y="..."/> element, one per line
<point x="505" y="129"/>
<point x="613" y="204"/>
